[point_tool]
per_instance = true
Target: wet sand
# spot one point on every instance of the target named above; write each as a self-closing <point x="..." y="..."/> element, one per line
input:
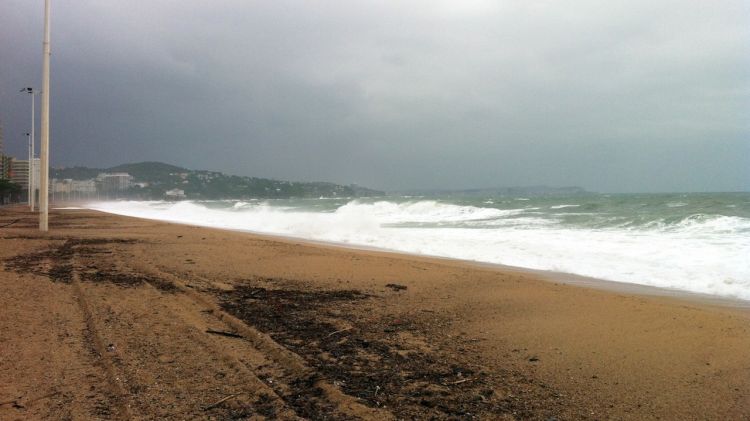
<point x="110" y="317"/>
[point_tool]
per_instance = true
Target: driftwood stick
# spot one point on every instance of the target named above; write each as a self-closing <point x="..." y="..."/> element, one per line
<point x="224" y="333"/>
<point x="338" y="331"/>
<point x="221" y="401"/>
<point x="457" y="382"/>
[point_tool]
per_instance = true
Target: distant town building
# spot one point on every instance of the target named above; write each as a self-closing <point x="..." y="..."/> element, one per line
<point x="175" y="194"/>
<point x="19" y="173"/>
<point x="208" y="175"/>
<point x="114" y="181"/>
<point x="61" y="186"/>
<point x="83" y="186"/>
<point x="5" y="165"/>
<point x="69" y="185"/>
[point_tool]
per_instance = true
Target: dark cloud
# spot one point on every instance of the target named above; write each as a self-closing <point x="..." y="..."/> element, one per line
<point x="616" y="96"/>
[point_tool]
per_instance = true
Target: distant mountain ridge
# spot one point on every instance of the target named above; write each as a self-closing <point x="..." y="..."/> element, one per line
<point x="154" y="179"/>
<point x="148" y="169"/>
<point x="532" y="191"/>
<point x="141" y="171"/>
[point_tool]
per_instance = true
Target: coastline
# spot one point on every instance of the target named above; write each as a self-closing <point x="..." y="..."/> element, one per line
<point x="334" y="330"/>
<point x="548" y="275"/>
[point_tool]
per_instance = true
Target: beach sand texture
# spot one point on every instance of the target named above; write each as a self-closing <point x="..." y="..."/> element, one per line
<point x="109" y="317"/>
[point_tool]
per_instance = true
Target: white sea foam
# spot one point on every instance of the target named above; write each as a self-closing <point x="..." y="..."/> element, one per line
<point x="563" y="206"/>
<point x="699" y="253"/>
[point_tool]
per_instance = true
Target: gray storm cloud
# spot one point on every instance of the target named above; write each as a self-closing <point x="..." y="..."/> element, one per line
<point x="611" y="96"/>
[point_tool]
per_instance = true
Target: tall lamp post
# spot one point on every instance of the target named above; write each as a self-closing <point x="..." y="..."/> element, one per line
<point x="44" y="155"/>
<point x="32" y="193"/>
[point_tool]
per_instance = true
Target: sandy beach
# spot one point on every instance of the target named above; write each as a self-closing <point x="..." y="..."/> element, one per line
<point x="110" y="317"/>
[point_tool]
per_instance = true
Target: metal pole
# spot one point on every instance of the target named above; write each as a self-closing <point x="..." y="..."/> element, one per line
<point x="32" y="140"/>
<point x="44" y="155"/>
<point x="29" y="187"/>
<point x="32" y="198"/>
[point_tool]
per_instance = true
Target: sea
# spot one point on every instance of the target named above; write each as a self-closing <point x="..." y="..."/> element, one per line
<point x="698" y="242"/>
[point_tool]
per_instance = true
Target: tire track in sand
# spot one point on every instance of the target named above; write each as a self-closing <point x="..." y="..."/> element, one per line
<point x="121" y="397"/>
<point x="299" y="385"/>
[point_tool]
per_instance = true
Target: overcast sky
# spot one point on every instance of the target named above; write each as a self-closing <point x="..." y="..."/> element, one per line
<point x="635" y="95"/>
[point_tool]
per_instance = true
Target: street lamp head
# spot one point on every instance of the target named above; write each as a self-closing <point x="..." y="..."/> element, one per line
<point x="27" y="90"/>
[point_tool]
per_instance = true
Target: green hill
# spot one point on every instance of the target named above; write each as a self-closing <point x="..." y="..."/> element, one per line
<point x="149" y="170"/>
<point x="155" y="178"/>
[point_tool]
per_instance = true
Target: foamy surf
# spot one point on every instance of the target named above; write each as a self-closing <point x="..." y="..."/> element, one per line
<point x="700" y="252"/>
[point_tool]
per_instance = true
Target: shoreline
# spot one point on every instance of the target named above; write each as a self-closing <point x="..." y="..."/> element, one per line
<point x="117" y="317"/>
<point x="547" y="275"/>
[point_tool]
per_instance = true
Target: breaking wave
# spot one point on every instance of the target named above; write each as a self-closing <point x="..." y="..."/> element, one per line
<point x="698" y="252"/>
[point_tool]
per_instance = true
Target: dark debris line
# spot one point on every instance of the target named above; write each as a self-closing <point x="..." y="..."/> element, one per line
<point x="369" y="361"/>
<point x="56" y="264"/>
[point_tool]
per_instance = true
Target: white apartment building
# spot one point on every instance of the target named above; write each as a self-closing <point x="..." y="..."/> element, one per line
<point x="19" y="172"/>
<point x="114" y="181"/>
<point x="69" y="185"/>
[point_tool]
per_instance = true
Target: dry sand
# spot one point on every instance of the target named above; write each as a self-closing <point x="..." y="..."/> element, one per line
<point x="108" y="317"/>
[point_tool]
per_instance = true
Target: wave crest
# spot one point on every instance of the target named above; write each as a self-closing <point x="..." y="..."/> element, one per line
<point x="699" y="252"/>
